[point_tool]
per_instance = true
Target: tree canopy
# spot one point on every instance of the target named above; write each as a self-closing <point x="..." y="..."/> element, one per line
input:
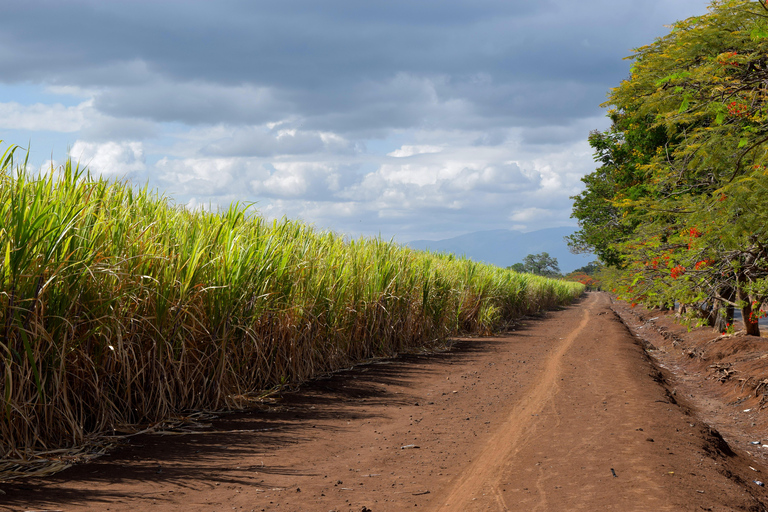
<point x="678" y="206"/>
<point x="541" y="264"/>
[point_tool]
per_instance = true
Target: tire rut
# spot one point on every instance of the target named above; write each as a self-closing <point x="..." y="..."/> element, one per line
<point x="483" y="475"/>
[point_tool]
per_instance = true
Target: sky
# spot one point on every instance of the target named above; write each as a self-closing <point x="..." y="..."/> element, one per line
<point x="408" y="119"/>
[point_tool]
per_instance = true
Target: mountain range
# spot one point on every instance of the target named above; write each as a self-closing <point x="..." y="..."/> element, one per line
<point x="504" y="247"/>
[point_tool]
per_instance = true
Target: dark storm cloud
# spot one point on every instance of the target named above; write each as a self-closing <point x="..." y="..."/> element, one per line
<point x="347" y="66"/>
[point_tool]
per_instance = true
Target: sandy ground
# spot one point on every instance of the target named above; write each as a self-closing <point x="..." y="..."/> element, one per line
<point x="567" y="412"/>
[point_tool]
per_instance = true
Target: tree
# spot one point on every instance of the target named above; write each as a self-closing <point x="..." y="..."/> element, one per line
<point x="541" y="264"/>
<point x="590" y="282"/>
<point x="590" y="269"/>
<point x="622" y="151"/>
<point x="679" y="203"/>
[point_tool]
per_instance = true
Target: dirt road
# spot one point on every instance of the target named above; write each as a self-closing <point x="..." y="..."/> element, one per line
<point x="565" y="413"/>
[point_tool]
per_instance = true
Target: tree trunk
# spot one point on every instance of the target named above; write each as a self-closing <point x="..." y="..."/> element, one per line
<point x="750" y="326"/>
<point x="724" y="310"/>
<point x="709" y="313"/>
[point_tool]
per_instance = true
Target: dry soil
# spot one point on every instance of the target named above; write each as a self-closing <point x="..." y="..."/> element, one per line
<point x="567" y="412"/>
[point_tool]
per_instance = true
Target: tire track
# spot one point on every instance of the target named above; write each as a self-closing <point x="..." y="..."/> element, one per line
<point x="484" y="473"/>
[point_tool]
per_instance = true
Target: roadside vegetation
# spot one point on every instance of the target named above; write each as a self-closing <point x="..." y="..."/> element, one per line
<point x="588" y="275"/>
<point x="119" y="310"/>
<point x="542" y="264"/>
<point x="678" y="207"/>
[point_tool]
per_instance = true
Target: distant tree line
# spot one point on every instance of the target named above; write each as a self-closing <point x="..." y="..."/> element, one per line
<point x="542" y="264"/>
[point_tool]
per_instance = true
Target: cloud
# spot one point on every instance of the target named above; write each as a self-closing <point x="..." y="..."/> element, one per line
<point x="562" y="133"/>
<point x="342" y="66"/>
<point x="409" y="150"/>
<point x="492" y="137"/>
<point x="263" y="141"/>
<point x="419" y="119"/>
<point x="213" y="179"/>
<point x="40" y="117"/>
<point x="443" y="186"/>
<point x="101" y="128"/>
<point x="495" y="179"/>
<point x="110" y="158"/>
<point x="526" y="215"/>
<point x="194" y="103"/>
<point x="82" y="119"/>
<point x="299" y="180"/>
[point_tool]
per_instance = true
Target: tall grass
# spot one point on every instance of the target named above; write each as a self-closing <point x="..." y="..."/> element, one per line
<point x="119" y="309"/>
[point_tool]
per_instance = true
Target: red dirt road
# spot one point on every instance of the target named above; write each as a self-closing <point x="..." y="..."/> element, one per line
<point x="565" y="413"/>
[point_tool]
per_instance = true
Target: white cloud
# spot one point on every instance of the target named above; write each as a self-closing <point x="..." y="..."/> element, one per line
<point x="454" y="185"/>
<point x="408" y="150"/>
<point x="82" y="119"/>
<point x="496" y="178"/>
<point x="527" y="215"/>
<point x="42" y="117"/>
<point x="299" y="180"/>
<point x="119" y="159"/>
<point x="209" y="178"/>
<point x="71" y="90"/>
<point x="266" y="141"/>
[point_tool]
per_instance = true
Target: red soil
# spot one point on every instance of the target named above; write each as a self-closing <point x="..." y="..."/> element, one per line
<point x="568" y="412"/>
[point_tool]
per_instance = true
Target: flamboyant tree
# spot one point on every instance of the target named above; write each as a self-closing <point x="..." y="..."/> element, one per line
<point x="679" y="203"/>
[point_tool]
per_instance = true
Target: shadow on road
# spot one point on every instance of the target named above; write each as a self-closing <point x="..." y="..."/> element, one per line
<point x="214" y="453"/>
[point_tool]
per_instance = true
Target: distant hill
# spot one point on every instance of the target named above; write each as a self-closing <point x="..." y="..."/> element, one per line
<point x="505" y="247"/>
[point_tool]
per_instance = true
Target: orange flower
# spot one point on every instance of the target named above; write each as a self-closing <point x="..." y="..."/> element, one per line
<point x="677" y="271"/>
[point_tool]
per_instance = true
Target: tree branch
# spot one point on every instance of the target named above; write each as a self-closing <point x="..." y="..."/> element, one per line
<point x="743" y="154"/>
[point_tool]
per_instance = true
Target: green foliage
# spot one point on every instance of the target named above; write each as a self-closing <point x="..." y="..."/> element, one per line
<point x="678" y="204"/>
<point x="588" y="275"/>
<point x="541" y="264"/>
<point x="590" y="269"/>
<point x="624" y="152"/>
